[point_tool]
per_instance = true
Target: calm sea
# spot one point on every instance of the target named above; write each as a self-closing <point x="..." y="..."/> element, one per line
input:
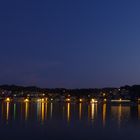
<point x="69" y="121"/>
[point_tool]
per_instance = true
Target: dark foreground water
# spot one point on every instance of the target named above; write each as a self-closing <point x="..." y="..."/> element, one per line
<point x="69" y="121"/>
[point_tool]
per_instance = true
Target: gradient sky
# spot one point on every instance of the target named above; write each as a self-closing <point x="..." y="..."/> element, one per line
<point x="70" y="43"/>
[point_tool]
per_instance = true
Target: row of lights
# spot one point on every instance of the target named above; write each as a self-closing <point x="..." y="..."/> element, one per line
<point x="68" y="100"/>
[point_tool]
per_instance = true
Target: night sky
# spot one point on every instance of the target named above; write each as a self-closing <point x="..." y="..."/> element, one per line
<point x="70" y="43"/>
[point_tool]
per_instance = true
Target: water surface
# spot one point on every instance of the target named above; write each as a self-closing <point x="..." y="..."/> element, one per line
<point x="69" y="121"/>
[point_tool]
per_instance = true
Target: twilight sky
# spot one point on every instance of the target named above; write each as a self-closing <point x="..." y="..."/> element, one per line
<point x="70" y="43"/>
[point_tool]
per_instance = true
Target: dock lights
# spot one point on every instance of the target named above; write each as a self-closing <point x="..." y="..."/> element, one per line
<point x="105" y="100"/>
<point x="93" y="101"/>
<point x="80" y="100"/>
<point x="38" y="100"/>
<point x="44" y="99"/>
<point x="104" y="94"/>
<point x="67" y="99"/>
<point x="8" y="99"/>
<point x="26" y="100"/>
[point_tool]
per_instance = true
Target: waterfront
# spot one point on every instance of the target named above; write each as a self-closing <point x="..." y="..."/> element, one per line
<point x="48" y="120"/>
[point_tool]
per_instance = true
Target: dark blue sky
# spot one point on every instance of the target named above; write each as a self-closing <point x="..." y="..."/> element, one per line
<point x="70" y="43"/>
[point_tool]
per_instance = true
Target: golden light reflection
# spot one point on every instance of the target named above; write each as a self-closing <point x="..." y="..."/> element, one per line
<point x="42" y="111"/>
<point x="7" y="110"/>
<point x="26" y="110"/>
<point x="42" y="100"/>
<point x="92" y="111"/>
<point x="120" y="113"/>
<point x="68" y="112"/>
<point x="80" y="111"/>
<point x="104" y="115"/>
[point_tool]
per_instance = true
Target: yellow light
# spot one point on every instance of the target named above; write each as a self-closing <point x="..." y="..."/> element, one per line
<point x="46" y="99"/>
<point x="51" y="99"/>
<point x="105" y="100"/>
<point x="26" y="100"/>
<point x="7" y="110"/>
<point x="68" y="100"/>
<point x="104" y="114"/>
<point x="7" y="100"/>
<point x="42" y="100"/>
<point x="68" y="112"/>
<point x="81" y="100"/>
<point x="80" y="110"/>
<point x="26" y="109"/>
<point x="92" y="111"/>
<point x="120" y="100"/>
<point x="42" y="111"/>
<point x="104" y="94"/>
<point x="38" y="100"/>
<point x="93" y="101"/>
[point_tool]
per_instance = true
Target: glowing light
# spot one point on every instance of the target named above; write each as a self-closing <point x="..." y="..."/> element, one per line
<point x="7" y="110"/>
<point x="42" y="100"/>
<point x="92" y="111"/>
<point x="105" y="100"/>
<point x="93" y="101"/>
<point x="46" y="99"/>
<point x="104" y="114"/>
<point x="104" y="94"/>
<point x="38" y="100"/>
<point x="26" y="100"/>
<point x="51" y="99"/>
<point x="26" y="110"/>
<point x="68" y="112"/>
<point x="42" y="111"/>
<point x="8" y="99"/>
<point x="81" y="100"/>
<point x="68" y="100"/>
<point x="80" y="110"/>
<point x="120" y="100"/>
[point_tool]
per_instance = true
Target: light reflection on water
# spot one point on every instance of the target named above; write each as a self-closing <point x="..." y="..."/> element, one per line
<point x="67" y="112"/>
